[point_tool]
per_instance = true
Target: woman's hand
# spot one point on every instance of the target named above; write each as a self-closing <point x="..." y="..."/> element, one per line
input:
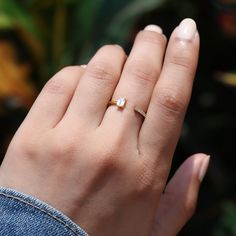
<point x="103" y="166"/>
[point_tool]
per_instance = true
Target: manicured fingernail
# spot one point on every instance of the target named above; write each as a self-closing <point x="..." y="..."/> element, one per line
<point x="154" y="28"/>
<point x="203" y="168"/>
<point x="83" y="66"/>
<point x="187" y="29"/>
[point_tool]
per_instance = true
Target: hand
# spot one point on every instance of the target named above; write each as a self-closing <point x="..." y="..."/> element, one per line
<point x="105" y="167"/>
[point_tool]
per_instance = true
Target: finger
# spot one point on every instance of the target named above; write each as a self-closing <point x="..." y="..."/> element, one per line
<point x="179" y="200"/>
<point x="96" y="86"/>
<point x="170" y="98"/>
<point x="52" y="102"/>
<point x="139" y="75"/>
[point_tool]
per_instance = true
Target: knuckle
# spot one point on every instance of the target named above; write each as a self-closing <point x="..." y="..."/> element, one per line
<point x="54" y="85"/>
<point x="151" y="37"/>
<point x="142" y="72"/>
<point x="105" y="69"/>
<point x="59" y="151"/>
<point x="30" y="147"/>
<point x="181" y="62"/>
<point x="110" y="157"/>
<point x="171" y="101"/>
<point x="101" y="71"/>
<point x="108" y="160"/>
<point x="58" y="83"/>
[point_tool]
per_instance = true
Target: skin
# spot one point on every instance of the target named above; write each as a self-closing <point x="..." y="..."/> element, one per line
<point x="104" y="167"/>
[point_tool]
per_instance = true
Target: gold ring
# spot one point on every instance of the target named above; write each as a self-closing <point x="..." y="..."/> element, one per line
<point x="121" y="103"/>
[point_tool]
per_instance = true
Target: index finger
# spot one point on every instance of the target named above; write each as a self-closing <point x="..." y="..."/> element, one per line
<point x="161" y="128"/>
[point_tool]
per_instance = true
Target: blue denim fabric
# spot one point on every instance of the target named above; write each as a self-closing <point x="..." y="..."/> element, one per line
<point x="21" y="214"/>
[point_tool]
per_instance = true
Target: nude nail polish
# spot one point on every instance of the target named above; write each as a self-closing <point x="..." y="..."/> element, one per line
<point x="154" y="28"/>
<point x="203" y="168"/>
<point x="187" y="29"/>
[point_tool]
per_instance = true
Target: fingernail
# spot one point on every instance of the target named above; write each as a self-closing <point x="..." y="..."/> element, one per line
<point x="203" y="168"/>
<point x="187" y="29"/>
<point x="154" y="28"/>
<point x="83" y="66"/>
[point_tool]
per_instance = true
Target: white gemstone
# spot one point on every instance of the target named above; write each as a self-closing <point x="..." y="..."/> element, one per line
<point x="121" y="102"/>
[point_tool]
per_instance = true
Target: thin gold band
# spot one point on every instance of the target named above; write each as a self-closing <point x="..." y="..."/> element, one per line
<point x="141" y="112"/>
<point x="121" y="102"/>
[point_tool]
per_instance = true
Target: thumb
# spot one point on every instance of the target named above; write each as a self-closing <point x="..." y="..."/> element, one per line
<point x="179" y="200"/>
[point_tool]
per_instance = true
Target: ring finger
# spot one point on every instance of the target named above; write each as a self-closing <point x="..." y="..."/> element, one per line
<point x="138" y="78"/>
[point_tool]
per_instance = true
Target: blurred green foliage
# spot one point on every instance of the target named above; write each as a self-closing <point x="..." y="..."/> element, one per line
<point x="66" y="32"/>
<point x="70" y="31"/>
<point x="227" y="225"/>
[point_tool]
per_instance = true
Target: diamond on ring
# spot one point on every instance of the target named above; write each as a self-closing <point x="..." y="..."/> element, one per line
<point x="121" y="102"/>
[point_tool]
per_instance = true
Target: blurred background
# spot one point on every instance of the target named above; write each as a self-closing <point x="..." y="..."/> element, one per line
<point x="38" y="37"/>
